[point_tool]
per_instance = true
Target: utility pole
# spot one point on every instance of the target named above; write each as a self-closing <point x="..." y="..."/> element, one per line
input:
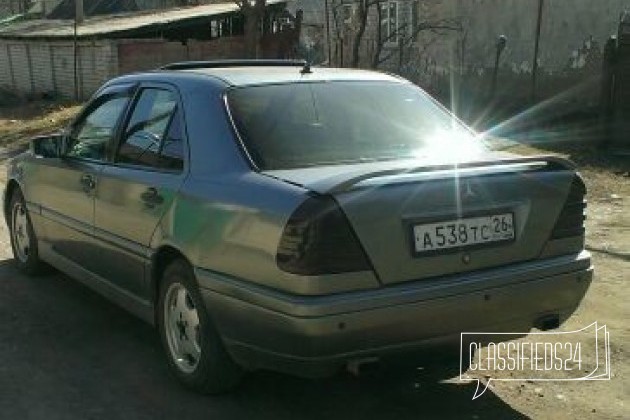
<point x="541" y="4"/>
<point x="78" y="19"/>
<point x="327" y="12"/>
<point x="79" y="14"/>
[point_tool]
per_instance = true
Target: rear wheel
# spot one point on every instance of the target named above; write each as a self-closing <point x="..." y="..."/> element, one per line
<point x="193" y="346"/>
<point x="23" y="240"/>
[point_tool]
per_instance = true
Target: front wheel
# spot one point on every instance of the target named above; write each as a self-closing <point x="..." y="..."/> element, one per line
<point x="193" y="347"/>
<point x="23" y="240"/>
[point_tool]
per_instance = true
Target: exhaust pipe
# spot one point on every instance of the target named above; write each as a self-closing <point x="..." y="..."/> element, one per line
<point x="355" y="367"/>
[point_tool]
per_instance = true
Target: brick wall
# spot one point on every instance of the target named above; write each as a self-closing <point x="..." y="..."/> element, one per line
<point x="37" y="67"/>
<point x="138" y="55"/>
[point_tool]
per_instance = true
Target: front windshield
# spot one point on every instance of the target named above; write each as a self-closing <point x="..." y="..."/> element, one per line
<point x="329" y="123"/>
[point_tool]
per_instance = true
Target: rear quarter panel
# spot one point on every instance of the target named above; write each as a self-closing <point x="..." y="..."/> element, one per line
<point x="231" y="225"/>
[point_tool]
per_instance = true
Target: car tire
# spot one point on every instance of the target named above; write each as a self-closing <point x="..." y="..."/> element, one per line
<point x="193" y="346"/>
<point x="23" y="239"/>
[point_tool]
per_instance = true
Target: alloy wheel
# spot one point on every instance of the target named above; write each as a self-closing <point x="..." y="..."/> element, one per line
<point x="20" y="232"/>
<point x="182" y="328"/>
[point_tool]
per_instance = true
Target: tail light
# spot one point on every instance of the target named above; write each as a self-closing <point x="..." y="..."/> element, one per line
<point x="318" y="239"/>
<point x="571" y="220"/>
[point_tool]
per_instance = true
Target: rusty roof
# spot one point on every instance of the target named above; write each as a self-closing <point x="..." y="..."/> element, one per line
<point x="116" y="25"/>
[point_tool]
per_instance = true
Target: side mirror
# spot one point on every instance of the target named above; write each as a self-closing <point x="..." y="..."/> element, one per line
<point x="50" y="146"/>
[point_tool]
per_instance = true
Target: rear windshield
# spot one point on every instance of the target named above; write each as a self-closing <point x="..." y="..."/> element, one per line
<point x="330" y="123"/>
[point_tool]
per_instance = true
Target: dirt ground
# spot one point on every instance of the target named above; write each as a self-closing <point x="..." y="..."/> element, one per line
<point x="608" y="238"/>
<point x="607" y="302"/>
<point x="19" y="123"/>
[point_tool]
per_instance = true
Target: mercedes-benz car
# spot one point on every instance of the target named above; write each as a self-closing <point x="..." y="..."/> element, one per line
<point x="274" y="215"/>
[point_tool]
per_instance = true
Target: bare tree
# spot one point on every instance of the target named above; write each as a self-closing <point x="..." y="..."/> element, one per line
<point x="406" y="37"/>
<point x="335" y="6"/>
<point x="362" y="13"/>
<point x="353" y="26"/>
<point x="253" y="12"/>
<point x="399" y="42"/>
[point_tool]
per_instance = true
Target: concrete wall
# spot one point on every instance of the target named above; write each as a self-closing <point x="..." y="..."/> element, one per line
<point x="38" y="67"/>
<point x="573" y="34"/>
<point x="566" y="28"/>
<point x="569" y="27"/>
<point x="459" y="63"/>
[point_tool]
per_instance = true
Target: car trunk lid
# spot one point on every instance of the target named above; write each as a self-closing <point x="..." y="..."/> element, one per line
<point x="392" y="206"/>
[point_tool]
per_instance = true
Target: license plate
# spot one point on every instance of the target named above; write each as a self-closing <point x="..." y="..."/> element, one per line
<point x="465" y="232"/>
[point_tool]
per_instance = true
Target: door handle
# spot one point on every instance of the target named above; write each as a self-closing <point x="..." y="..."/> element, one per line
<point x="88" y="182"/>
<point x="151" y="197"/>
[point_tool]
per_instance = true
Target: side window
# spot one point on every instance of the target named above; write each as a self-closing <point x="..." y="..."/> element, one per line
<point x="91" y="136"/>
<point x="153" y="136"/>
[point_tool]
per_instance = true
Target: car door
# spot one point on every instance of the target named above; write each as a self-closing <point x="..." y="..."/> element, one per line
<point x="65" y="187"/>
<point x="139" y="186"/>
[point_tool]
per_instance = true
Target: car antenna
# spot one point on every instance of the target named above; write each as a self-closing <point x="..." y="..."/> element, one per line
<point x="307" y="68"/>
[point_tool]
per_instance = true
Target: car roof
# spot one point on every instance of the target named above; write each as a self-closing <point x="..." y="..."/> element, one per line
<point x="257" y="75"/>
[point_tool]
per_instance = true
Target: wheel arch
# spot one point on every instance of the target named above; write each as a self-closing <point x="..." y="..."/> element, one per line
<point x="160" y="259"/>
<point x="12" y="186"/>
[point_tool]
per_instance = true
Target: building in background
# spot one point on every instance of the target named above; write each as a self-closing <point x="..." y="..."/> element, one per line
<point x="10" y="8"/>
<point x="42" y="56"/>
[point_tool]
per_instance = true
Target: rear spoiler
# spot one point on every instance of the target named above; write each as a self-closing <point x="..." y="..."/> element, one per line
<point x="540" y="162"/>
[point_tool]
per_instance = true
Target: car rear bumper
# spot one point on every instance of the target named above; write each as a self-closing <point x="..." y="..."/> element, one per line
<point x="316" y="335"/>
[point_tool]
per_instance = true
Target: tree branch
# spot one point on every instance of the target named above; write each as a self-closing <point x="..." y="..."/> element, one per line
<point x="437" y="27"/>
